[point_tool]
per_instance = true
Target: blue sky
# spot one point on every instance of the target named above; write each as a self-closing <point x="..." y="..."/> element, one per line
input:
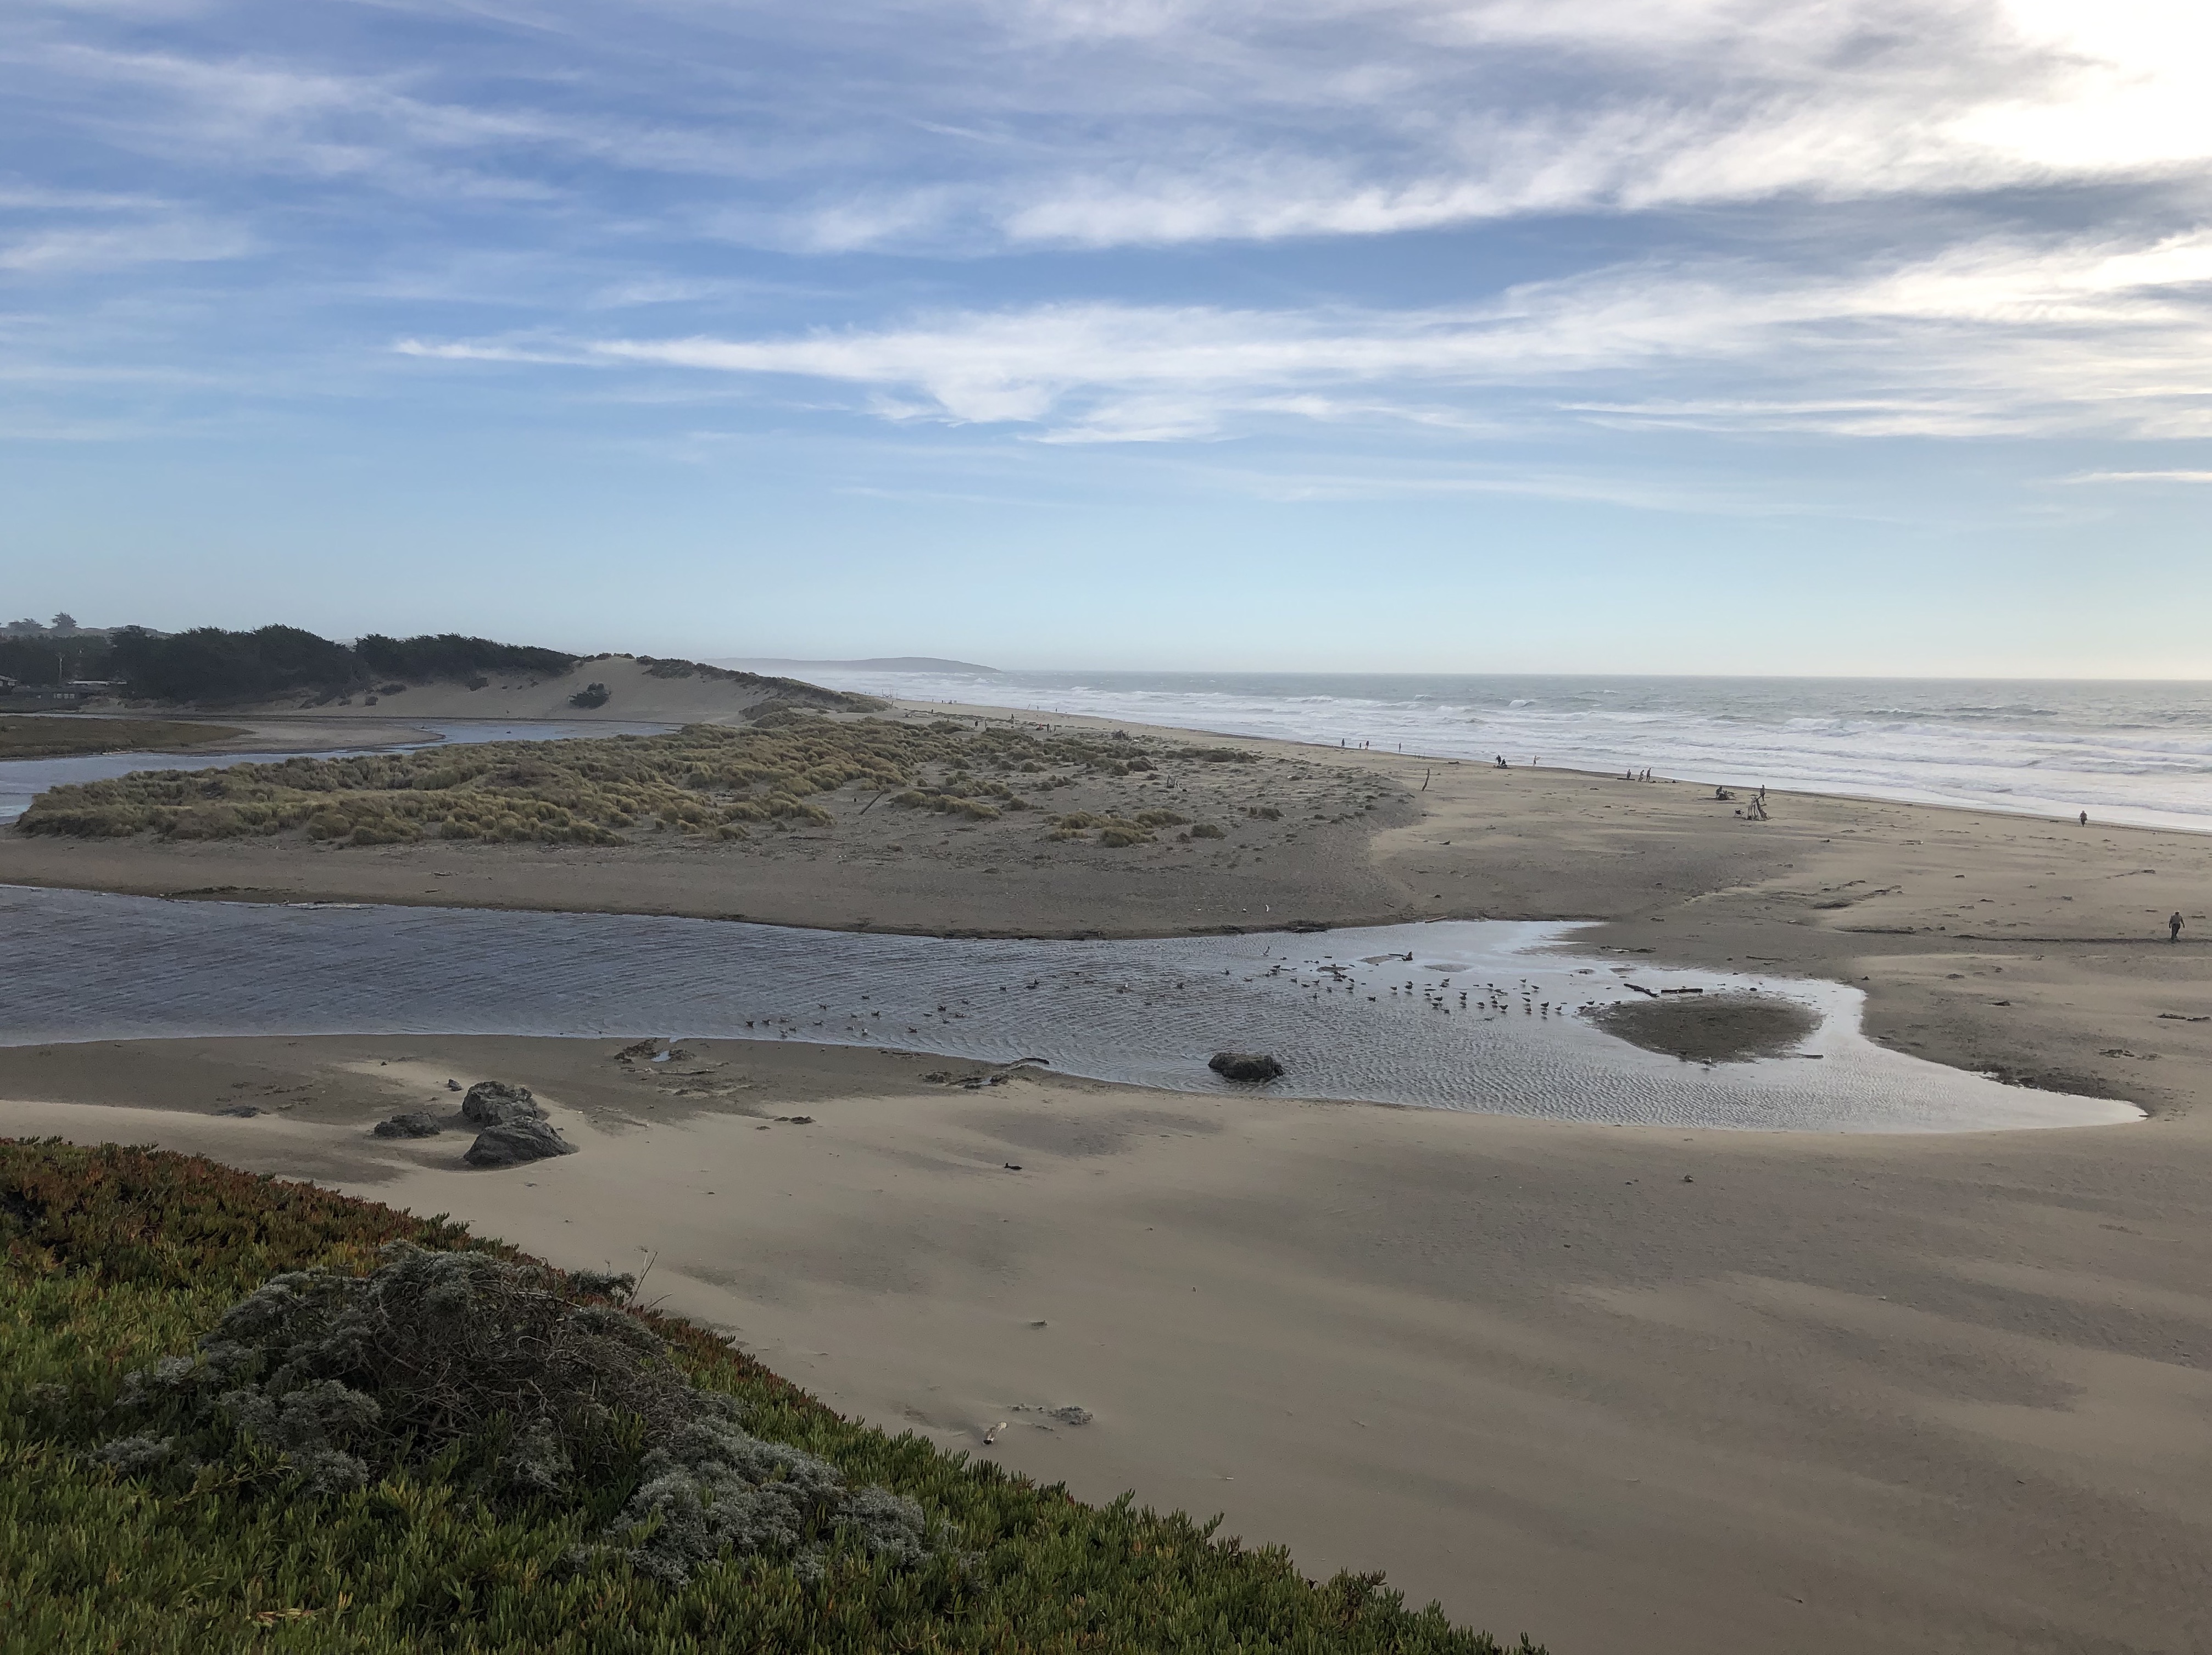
<point x="1824" y="336"/>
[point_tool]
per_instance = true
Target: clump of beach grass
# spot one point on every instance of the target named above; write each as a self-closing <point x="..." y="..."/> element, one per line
<point x="708" y="780"/>
<point x="1117" y="831"/>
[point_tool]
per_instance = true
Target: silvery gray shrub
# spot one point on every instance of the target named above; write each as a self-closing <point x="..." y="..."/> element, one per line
<point x="345" y="1378"/>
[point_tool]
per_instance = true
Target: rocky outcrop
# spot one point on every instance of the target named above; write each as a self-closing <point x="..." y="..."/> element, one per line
<point x="496" y="1103"/>
<point x="1245" y="1065"/>
<point x="415" y="1124"/>
<point x="517" y="1143"/>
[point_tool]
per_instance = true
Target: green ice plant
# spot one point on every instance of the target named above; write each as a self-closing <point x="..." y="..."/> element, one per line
<point x="657" y="1490"/>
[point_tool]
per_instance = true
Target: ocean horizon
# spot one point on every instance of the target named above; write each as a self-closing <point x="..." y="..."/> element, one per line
<point x="2127" y="751"/>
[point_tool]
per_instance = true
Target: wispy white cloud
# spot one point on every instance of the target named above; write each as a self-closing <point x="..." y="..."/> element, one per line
<point x="390" y="126"/>
<point x="472" y="350"/>
<point x="120" y="246"/>
<point x="878" y="123"/>
<point x="1360" y="118"/>
<point x="1998" y="337"/>
<point x="18" y="197"/>
<point x="509" y="179"/>
<point x="2139" y="477"/>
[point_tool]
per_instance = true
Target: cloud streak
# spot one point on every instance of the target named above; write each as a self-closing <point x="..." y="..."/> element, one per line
<point x="2141" y="477"/>
<point x="78" y="250"/>
<point x="1847" y="220"/>
<point x="998" y="122"/>
<point x="1993" y="338"/>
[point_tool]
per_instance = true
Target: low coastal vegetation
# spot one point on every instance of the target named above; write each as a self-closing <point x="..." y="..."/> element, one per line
<point x="241" y="1414"/>
<point x="706" y="780"/>
<point x="61" y="735"/>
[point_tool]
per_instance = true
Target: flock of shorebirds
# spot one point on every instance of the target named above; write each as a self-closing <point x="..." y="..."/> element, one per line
<point x="1489" y="1003"/>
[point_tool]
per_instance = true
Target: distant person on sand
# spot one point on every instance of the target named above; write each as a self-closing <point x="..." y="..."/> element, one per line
<point x="2085" y="819"/>
<point x="2173" y="926"/>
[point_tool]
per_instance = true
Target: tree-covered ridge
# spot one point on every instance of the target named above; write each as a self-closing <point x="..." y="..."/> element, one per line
<point x="213" y="665"/>
<point x="117" y="1261"/>
<point x="40" y="661"/>
<point x="448" y="657"/>
<point x="210" y="665"/>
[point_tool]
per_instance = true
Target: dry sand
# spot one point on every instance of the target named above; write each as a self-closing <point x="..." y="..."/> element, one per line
<point x="1832" y="1393"/>
<point x="1629" y="1390"/>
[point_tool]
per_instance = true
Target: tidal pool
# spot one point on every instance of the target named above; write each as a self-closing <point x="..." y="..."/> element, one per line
<point x="1489" y="1016"/>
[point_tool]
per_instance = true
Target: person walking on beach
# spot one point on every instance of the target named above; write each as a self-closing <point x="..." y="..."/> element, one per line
<point x="2173" y="926"/>
<point x="2085" y="819"/>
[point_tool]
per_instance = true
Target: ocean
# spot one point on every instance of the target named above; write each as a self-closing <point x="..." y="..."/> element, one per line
<point x="2126" y="753"/>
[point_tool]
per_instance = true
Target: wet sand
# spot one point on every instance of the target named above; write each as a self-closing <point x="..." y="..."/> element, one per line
<point x="1625" y="1388"/>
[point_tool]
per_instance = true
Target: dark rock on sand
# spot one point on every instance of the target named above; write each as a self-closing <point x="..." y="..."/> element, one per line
<point x="1245" y="1065"/>
<point x="517" y="1143"/>
<point x="415" y="1124"/>
<point x="494" y="1102"/>
<point x="242" y="1111"/>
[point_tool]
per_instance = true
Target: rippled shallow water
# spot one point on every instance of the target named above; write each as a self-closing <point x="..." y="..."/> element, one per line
<point x="1348" y="1015"/>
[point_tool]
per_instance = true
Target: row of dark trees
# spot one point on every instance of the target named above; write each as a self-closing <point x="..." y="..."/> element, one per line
<point x="212" y="666"/>
<point x="49" y="660"/>
<point x="447" y="657"/>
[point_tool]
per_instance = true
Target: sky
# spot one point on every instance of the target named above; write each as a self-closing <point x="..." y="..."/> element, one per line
<point x="1701" y="336"/>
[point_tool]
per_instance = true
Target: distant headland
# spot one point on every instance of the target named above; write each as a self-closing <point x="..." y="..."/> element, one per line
<point x="878" y="663"/>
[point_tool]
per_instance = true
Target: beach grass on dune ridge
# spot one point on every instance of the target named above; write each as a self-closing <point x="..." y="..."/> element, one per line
<point x="709" y="780"/>
<point x="116" y="1258"/>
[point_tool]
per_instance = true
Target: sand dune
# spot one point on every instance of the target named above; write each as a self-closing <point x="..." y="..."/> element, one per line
<point x="635" y="695"/>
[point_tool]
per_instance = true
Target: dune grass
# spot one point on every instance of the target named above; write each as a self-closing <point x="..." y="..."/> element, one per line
<point x="116" y="1258"/>
<point x="65" y="735"/>
<point x="710" y="780"/>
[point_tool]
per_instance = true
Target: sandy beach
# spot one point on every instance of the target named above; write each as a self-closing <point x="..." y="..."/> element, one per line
<point x="1623" y="1388"/>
